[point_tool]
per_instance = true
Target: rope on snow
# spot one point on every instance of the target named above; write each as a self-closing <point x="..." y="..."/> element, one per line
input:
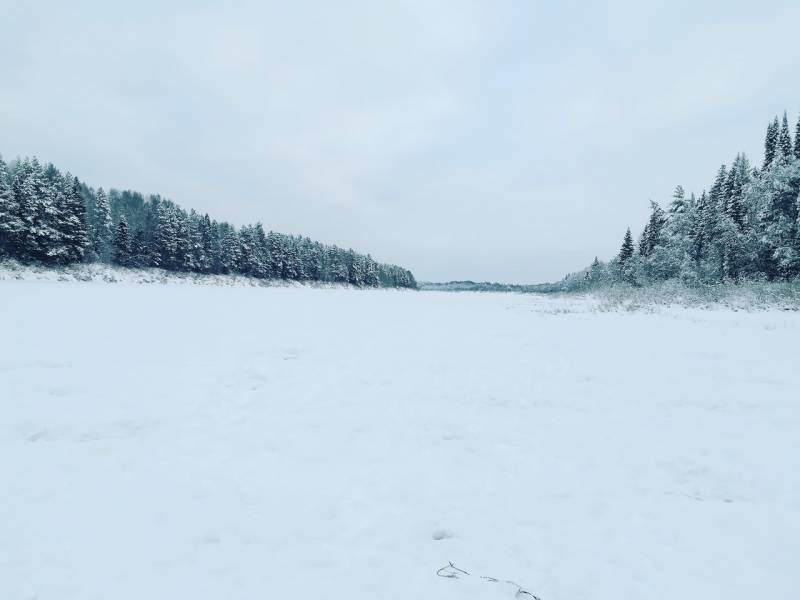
<point x="453" y="572"/>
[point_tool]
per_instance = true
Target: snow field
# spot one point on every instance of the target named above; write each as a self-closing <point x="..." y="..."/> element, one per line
<point x="208" y="442"/>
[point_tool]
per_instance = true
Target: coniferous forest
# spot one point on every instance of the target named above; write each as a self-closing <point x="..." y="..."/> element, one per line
<point x="52" y="218"/>
<point x="745" y="227"/>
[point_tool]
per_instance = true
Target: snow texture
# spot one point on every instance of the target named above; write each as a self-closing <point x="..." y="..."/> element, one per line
<point x="169" y="442"/>
<point x="98" y="272"/>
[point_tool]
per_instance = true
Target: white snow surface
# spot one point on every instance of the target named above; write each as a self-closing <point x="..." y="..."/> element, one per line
<point x="168" y="442"/>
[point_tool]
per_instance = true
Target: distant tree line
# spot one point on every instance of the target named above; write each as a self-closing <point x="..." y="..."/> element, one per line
<point x="745" y="227"/>
<point x="52" y="218"/>
<point x="481" y="286"/>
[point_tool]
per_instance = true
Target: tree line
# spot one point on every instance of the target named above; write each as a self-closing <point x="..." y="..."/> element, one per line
<point x="746" y="226"/>
<point x="52" y="218"/>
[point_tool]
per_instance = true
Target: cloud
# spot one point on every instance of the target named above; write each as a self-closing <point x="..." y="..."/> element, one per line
<point x="504" y="140"/>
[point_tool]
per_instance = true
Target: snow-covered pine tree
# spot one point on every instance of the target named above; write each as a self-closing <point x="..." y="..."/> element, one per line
<point x="626" y="250"/>
<point x="10" y="221"/>
<point x="165" y="237"/>
<point x="785" y="138"/>
<point x="292" y="265"/>
<point x="797" y="139"/>
<point x="247" y="261"/>
<point x="718" y="190"/>
<point x="122" y="252"/>
<point x="777" y="191"/>
<point x="370" y="272"/>
<point x="140" y="256"/>
<point x="644" y="240"/>
<point x="102" y="227"/>
<point x="261" y="259"/>
<point x="657" y="221"/>
<point x="678" y="204"/>
<point x="339" y="271"/>
<point x="699" y="235"/>
<point x="208" y="256"/>
<point x="229" y="249"/>
<point x="596" y="271"/>
<point x="738" y="177"/>
<point x="196" y="258"/>
<point x="38" y="239"/>
<point x="771" y="142"/>
<point x="355" y="268"/>
<point x="183" y="255"/>
<point x="72" y="220"/>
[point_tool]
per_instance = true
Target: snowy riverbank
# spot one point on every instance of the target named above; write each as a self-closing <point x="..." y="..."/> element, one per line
<point x="103" y="273"/>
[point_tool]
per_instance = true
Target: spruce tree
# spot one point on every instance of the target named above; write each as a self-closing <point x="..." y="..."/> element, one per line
<point x="737" y="178"/>
<point x="644" y="241"/>
<point x="72" y="221"/>
<point x="771" y="142"/>
<point x="38" y="238"/>
<point x="656" y="226"/>
<point x="339" y="271"/>
<point x="626" y="251"/>
<point x="797" y="140"/>
<point x="229" y="250"/>
<point x="697" y="232"/>
<point x="183" y="255"/>
<point x="785" y="138"/>
<point x="370" y="272"/>
<point x="207" y="254"/>
<point x="165" y="237"/>
<point x="140" y="256"/>
<point x="261" y="266"/>
<point x="122" y="244"/>
<point x="678" y="204"/>
<point x="102" y="233"/>
<point x="10" y="223"/>
<point x="718" y="190"/>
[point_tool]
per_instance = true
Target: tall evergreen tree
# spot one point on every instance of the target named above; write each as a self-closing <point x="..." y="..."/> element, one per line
<point x="785" y="138"/>
<point x="678" y="204"/>
<point x="771" y="142"/>
<point x="140" y="256"/>
<point x="39" y="235"/>
<point x="652" y="234"/>
<point x="72" y="221"/>
<point x="122" y="253"/>
<point x="10" y="222"/>
<point x="797" y="140"/>
<point x="102" y="226"/>
<point x="165" y="237"/>
<point x="229" y="250"/>
<point x="738" y="177"/>
<point x="626" y="251"/>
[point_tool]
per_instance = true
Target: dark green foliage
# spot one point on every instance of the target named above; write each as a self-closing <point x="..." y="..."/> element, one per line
<point x="122" y="244"/>
<point x="626" y="251"/>
<point x="53" y="218"/>
<point x="797" y="139"/>
<point x="10" y="221"/>
<point x="72" y="221"/>
<point x="747" y="227"/>
<point x="771" y="142"/>
<point x="785" y="138"/>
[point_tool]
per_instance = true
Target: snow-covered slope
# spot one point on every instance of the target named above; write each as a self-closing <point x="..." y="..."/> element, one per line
<point x="167" y="442"/>
<point x="103" y="273"/>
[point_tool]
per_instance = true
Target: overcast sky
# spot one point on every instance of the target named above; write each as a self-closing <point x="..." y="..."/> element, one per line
<point x="495" y="140"/>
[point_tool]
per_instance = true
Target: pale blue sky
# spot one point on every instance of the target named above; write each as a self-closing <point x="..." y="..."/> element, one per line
<point x="496" y="140"/>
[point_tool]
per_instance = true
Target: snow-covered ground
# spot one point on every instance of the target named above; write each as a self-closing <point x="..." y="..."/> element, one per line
<point x="168" y="442"/>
